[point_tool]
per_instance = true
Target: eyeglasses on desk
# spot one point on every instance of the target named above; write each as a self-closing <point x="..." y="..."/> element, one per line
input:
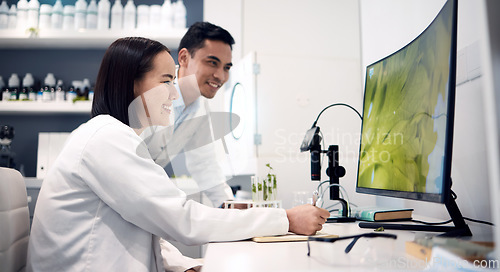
<point x="372" y="248"/>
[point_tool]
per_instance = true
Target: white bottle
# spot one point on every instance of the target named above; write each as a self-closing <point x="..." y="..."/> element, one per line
<point x="91" y="22"/>
<point x="4" y="15"/>
<point x="154" y="17"/>
<point x="59" y="91"/>
<point x="50" y="84"/>
<point x="71" y="94"/>
<point x="180" y="15"/>
<point x="12" y="17"/>
<point x="142" y="17"/>
<point x="39" y="95"/>
<point x="45" y="16"/>
<point x="4" y="92"/>
<point x="28" y="82"/>
<point x="22" y="14"/>
<point x="129" y="15"/>
<point x="13" y="86"/>
<point x="80" y="14"/>
<point x="117" y="15"/>
<point x="103" y="14"/>
<point x="68" y="18"/>
<point x="85" y="88"/>
<point x="167" y="15"/>
<point x="33" y="13"/>
<point x="57" y="15"/>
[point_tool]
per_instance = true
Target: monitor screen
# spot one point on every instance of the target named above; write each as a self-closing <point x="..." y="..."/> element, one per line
<point x="408" y="111"/>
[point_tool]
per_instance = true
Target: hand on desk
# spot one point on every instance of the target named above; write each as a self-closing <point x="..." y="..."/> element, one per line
<point x="306" y="219"/>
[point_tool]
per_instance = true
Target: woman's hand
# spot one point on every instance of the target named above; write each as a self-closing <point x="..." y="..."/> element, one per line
<point x="306" y="219"/>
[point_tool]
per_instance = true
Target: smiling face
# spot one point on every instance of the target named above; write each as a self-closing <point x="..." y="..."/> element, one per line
<point x="156" y="91"/>
<point x="210" y="64"/>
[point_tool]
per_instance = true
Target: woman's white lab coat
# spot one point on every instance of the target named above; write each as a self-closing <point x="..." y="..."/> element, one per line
<point x="105" y="203"/>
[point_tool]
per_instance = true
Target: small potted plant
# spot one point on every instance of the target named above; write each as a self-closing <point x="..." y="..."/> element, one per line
<point x="271" y="184"/>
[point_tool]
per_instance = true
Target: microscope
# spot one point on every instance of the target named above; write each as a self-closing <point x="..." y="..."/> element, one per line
<point x="6" y="155"/>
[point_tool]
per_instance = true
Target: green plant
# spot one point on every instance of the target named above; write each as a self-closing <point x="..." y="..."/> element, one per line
<point x="271" y="184"/>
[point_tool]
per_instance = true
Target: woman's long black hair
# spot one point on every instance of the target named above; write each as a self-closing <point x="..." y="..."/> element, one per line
<point x="126" y="60"/>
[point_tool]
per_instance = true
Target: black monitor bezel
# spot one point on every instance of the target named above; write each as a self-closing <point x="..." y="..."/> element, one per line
<point x="444" y="196"/>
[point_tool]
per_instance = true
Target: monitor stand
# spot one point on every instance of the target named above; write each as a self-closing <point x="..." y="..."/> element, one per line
<point x="459" y="229"/>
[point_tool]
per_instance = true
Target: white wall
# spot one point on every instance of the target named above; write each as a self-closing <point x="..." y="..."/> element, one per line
<point x="309" y="57"/>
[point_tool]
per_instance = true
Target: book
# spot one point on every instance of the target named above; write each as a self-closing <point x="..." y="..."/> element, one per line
<point x="380" y="213"/>
<point x="290" y="237"/>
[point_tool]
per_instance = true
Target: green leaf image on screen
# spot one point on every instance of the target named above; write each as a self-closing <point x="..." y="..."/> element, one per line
<point x="404" y="118"/>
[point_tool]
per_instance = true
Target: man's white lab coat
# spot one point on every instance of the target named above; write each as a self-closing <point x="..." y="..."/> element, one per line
<point x="192" y="134"/>
<point x="104" y="204"/>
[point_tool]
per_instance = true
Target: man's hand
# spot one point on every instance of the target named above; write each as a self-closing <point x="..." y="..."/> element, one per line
<point x="306" y="219"/>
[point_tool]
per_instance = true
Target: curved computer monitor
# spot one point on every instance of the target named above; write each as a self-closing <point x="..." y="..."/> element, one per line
<point x="408" y="112"/>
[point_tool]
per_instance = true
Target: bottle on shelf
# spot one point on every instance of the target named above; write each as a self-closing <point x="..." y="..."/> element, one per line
<point x="85" y="88"/>
<point x="45" y="16"/>
<point x="179" y="15"/>
<point x="91" y="94"/>
<point x="129" y="15"/>
<point x="56" y="18"/>
<point x="71" y="94"/>
<point x="103" y="14"/>
<point x="28" y="82"/>
<point x="117" y="15"/>
<point x="22" y="14"/>
<point x="142" y="17"/>
<point x="2" y="89"/>
<point x="78" y="89"/>
<point x="5" y="94"/>
<point x="60" y="95"/>
<point x="23" y="94"/>
<point x="49" y="88"/>
<point x="13" y="87"/>
<point x="80" y="14"/>
<point x="39" y="95"/>
<point x="4" y="15"/>
<point x="91" y="22"/>
<point x="155" y="17"/>
<point x="167" y="16"/>
<point x="33" y="13"/>
<point x="69" y="17"/>
<point x="12" y="17"/>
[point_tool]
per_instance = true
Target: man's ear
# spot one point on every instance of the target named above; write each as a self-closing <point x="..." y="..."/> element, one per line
<point x="183" y="57"/>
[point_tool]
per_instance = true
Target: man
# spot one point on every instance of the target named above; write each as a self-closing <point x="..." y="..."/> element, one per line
<point x="204" y="62"/>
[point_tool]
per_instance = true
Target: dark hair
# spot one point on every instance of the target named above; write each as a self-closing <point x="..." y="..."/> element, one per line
<point x="126" y="60"/>
<point x="196" y="35"/>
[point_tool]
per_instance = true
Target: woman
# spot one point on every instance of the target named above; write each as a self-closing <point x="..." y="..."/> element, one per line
<point x="105" y="203"/>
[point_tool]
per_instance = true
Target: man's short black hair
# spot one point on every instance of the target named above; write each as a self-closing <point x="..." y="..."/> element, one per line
<point x="196" y="35"/>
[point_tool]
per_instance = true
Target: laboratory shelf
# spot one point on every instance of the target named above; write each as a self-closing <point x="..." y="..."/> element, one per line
<point x="31" y="107"/>
<point x="82" y="39"/>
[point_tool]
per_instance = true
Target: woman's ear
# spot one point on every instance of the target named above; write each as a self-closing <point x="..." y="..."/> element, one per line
<point x="183" y="57"/>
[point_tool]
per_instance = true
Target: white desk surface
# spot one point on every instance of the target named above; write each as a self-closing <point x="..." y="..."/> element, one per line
<point x="292" y="256"/>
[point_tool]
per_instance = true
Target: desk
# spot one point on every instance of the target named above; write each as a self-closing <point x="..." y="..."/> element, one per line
<point x="292" y="256"/>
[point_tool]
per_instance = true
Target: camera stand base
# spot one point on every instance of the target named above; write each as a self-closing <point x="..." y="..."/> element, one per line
<point x="340" y="219"/>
